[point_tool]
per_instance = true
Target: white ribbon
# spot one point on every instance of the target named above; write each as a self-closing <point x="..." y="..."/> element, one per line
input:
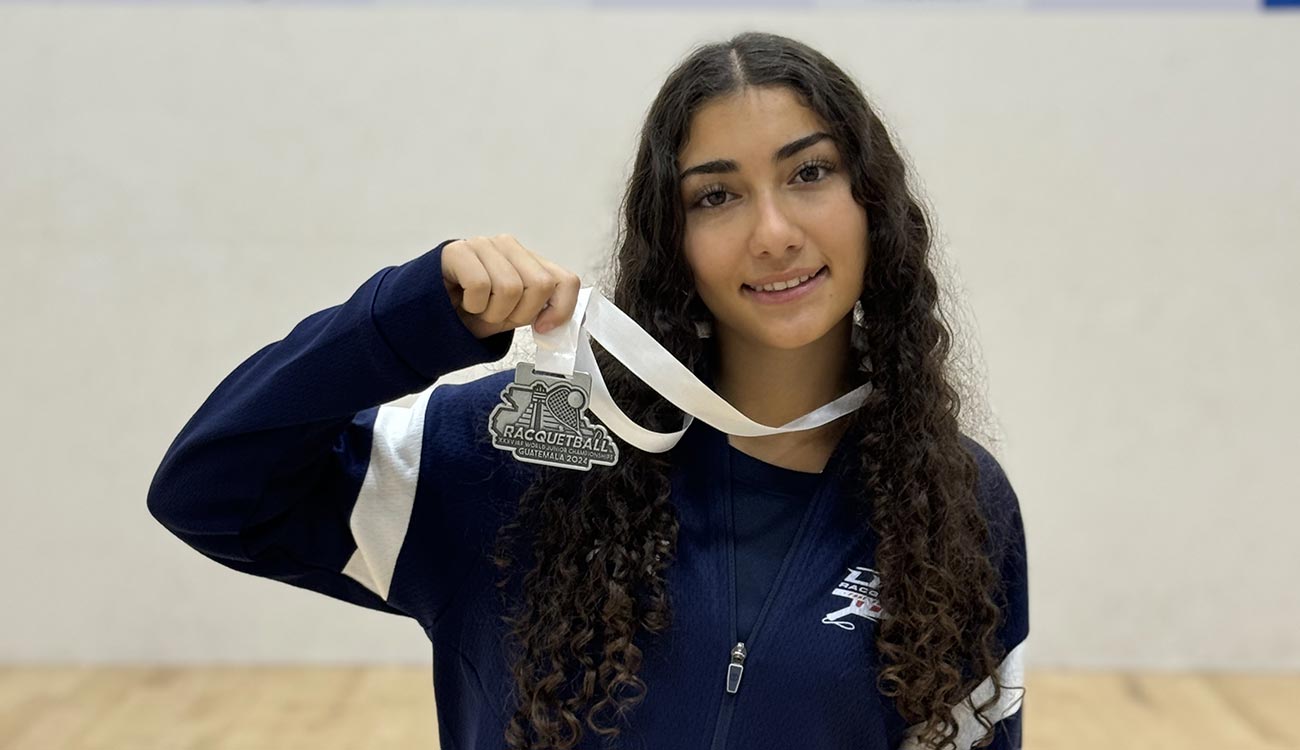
<point x="568" y="347"/>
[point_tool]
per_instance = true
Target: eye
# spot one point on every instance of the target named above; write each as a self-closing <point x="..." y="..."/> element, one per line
<point x="815" y="164"/>
<point x="707" y="192"/>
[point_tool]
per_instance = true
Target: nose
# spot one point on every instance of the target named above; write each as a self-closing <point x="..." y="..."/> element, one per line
<point x="775" y="229"/>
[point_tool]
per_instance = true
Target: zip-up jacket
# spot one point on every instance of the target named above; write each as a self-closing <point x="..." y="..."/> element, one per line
<point x="298" y="467"/>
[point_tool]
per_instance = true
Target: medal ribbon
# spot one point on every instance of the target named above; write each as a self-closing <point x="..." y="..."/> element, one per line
<point x="568" y="347"/>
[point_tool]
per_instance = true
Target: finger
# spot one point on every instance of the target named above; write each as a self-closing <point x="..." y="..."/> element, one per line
<point x="462" y="269"/>
<point x="506" y="284"/>
<point x="564" y="299"/>
<point x="537" y="279"/>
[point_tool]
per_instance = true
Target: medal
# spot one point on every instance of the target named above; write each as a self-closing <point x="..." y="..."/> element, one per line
<point x="543" y="419"/>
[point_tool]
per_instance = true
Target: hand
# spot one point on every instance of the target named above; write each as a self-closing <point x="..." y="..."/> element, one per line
<point x="496" y="284"/>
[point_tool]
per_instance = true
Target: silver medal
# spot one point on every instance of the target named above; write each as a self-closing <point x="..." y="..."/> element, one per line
<point x="542" y="419"/>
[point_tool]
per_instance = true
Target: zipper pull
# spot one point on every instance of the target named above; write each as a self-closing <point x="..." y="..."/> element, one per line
<point x="736" y="667"/>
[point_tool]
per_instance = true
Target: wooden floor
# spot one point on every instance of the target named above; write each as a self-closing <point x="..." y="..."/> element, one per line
<point x="382" y="708"/>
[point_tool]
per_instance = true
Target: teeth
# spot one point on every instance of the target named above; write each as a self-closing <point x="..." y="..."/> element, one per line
<point x="778" y="286"/>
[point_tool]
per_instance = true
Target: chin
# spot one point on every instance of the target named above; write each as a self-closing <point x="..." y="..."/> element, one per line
<point x="790" y="342"/>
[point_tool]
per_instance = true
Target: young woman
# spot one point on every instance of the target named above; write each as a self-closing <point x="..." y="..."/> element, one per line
<point x="860" y="585"/>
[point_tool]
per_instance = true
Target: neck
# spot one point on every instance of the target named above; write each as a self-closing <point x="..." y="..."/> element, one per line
<point x="774" y="386"/>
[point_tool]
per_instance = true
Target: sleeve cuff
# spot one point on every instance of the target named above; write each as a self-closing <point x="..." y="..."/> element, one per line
<point x="415" y="316"/>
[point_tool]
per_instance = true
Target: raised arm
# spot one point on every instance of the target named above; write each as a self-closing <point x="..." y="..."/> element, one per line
<point x="295" y="469"/>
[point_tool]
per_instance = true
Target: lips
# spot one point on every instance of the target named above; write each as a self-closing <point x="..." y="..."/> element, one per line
<point x="789" y="295"/>
<point x="811" y="278"/>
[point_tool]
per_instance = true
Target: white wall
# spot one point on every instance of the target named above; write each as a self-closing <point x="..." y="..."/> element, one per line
<point x="179" y="187"/>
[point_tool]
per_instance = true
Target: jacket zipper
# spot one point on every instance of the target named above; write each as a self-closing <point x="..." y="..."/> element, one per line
<point x="740" y="651"/>
<point x="736" y="665"/>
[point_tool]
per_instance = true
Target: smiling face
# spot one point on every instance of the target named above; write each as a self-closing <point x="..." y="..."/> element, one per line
<point x="765" y="197"/>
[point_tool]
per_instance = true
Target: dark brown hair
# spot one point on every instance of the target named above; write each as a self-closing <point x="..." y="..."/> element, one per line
<point x="600" y="541"/>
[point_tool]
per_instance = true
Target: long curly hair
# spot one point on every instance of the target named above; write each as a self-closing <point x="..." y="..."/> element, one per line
<point x="595" y="545"/>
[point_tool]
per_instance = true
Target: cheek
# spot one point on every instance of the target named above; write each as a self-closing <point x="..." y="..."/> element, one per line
<point x="843" y="226"/>
<point x="701" y="254"/>
<point x="712" y="282"/>
<point x="843" y="211"/>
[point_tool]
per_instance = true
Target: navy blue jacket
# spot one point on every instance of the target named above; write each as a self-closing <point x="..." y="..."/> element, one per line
<point x="299" y="468"/>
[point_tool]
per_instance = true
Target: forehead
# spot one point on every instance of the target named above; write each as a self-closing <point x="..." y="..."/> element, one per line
<point x="749" y="124"/>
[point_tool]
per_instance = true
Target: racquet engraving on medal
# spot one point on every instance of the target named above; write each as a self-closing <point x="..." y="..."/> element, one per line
<point x="542" y="419"/>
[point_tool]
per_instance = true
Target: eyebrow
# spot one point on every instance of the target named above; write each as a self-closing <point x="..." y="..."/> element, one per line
<point x="719" y="166"/>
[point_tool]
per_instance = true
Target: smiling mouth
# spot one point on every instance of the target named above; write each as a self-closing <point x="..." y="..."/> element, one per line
<point x="820" y="272"/>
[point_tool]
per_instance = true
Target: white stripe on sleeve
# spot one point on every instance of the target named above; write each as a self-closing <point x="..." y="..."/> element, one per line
<point x="383" y="509"/>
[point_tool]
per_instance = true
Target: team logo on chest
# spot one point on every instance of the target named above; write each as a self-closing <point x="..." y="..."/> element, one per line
<point x="861" y="587"/>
